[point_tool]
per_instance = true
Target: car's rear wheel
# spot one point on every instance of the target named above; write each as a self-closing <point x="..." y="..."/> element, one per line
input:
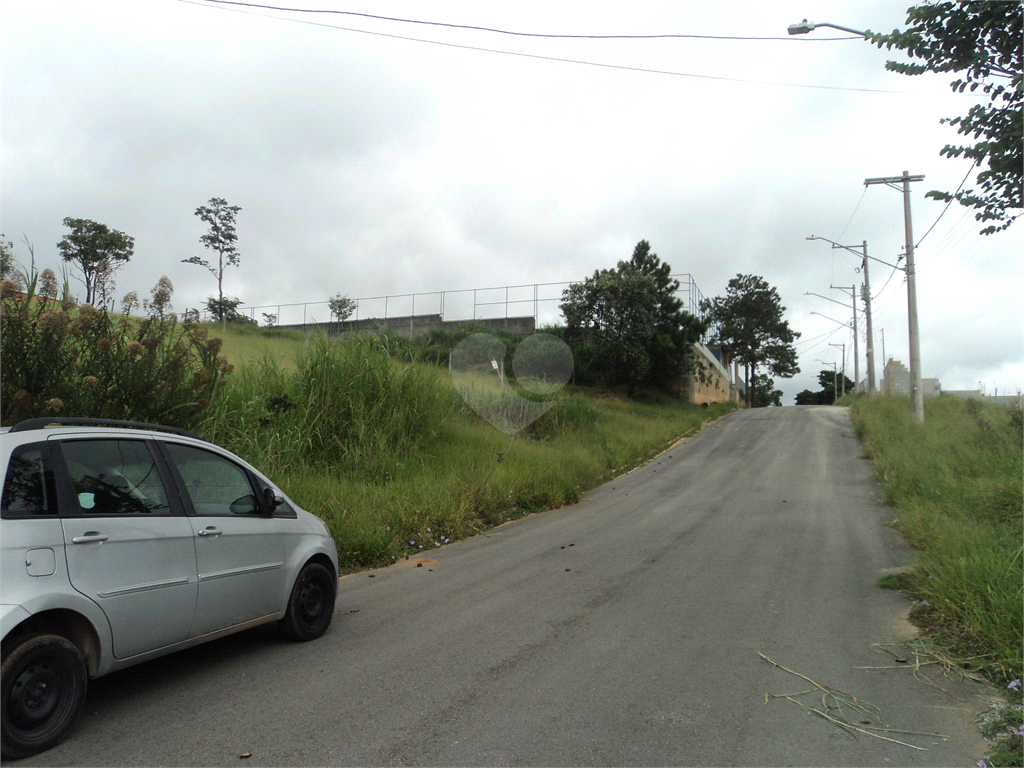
<point x="43" y="681"/>
<point x="311" y="605"/>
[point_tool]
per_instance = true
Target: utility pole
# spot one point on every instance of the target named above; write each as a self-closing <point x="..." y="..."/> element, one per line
<point x="842" y="382"/>
<point x="856" y="353"/>
<point x="916" y="393"/>
<point x="835" y="383"/>
<point x="866" y="296"/>
<point x="867" y="319"/>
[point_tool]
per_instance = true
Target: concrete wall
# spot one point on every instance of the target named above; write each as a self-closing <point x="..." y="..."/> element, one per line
<point x="713" y="384"/>
<point x="896" y="381"/>
<point x="931" y="388"/>
<point x="1005" y="401"/>
<point x="414" y="325"/>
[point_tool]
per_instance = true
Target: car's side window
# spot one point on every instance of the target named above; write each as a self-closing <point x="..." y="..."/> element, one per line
<point x="29" y="487"/>
<point x="215" y="485"/>
<point x="115" y="477"/>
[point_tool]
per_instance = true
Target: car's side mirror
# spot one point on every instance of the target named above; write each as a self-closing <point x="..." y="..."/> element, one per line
<point x="273" y="501"/>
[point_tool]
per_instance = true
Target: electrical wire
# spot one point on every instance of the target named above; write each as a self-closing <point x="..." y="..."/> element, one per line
<point x="828" y="334"/>
<point x="621" y="67"/>
<point x="523" y="34"/>
<point x="877" y="296"/>
<point x="855" y="209"/>
<point x="948" y="203"/>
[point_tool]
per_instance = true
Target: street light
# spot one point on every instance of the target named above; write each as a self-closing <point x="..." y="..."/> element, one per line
<point x="806" y="26"/>
<point x="827" y="298"/>
<point x="843" y="380"/>
<point x="834" y="383"/>
<point x="867" y="303"/>
<point x="856" y="351"/>
<point x="845" y="325"/>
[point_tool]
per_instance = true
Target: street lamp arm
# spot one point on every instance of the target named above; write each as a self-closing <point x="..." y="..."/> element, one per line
<point x="843" y="29"/>
<point x="806" y="26"/>
<point x="834" y="301"/>
<point x="857" y="252"/>
<point x="836" y="245"/>
<point x="845" y="325"/>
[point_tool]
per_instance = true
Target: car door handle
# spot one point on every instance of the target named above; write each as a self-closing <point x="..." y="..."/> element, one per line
<point x="210" y="530"/>
<point x="88" y="537"/>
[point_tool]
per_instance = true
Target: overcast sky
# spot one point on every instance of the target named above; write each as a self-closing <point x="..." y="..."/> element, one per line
<point x="369" y="165"/>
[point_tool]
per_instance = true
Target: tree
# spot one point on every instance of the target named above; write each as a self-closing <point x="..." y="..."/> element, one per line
<point x="748" y="320"/>
<point x="765" y="393"/>
<point x="221" y="239"/>
<point x="614" y="310"/>
<point x="341" y="307"/>
<point x="7" y="262"/>
<point x="97" y="252"/>
<point x="807" y="397"/>
<point x="226" y="309"/>
<point x="627" y="326"/>
<point x="674" y="328"/>
<point x="981" y="39"/>
<point x="830" y="379"/>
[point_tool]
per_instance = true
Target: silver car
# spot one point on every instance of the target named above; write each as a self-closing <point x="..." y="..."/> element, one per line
<point x="121" y="542"/>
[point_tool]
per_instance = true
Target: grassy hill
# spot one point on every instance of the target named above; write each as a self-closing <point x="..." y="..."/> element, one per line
<point x="395" y="461"/>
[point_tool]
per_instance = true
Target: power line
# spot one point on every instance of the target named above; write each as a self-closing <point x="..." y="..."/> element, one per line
<point x="522" y="34"/>
<point x="827" y="334"/>
<point x="848" y="222"/>
<point x="621" y="67"/>
<point x="948" y="203"/>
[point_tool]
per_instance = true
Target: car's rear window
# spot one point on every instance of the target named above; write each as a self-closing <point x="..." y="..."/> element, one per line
<point x="29" y="487"/>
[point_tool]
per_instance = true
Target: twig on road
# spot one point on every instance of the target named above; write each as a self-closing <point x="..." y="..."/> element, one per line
<point x="839" y="699"/>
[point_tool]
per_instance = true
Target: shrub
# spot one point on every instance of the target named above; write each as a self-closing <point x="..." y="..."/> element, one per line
<point x="60" y="359"/>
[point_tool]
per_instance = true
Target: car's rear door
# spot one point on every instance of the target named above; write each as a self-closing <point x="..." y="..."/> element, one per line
<point x="128" y="544"/>
<point x="239" y="546"/>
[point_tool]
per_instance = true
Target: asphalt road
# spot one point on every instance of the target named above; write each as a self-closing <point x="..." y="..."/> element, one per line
<point x="624" y="630"/>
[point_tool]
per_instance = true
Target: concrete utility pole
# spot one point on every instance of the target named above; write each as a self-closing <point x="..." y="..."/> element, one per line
<point x="856" y="353"/>
<point x="867" y="319"/>
<point x="835" y="383"/>
<point x="866" y="296"/>
<point x="916" y="393"/>
<point x="842" y="382"/>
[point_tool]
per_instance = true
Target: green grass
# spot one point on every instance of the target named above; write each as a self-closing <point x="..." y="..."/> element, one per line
<point x="392" y="459"/>
<point x="956" y="482"/>
<point x="245" y="343"/>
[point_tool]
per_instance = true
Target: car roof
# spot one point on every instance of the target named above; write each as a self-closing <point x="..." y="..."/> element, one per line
<point x="76" y="423"/>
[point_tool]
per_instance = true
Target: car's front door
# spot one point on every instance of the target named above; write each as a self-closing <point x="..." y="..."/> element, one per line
<point x="239" y="547"/>
<point x="128" y="546"/>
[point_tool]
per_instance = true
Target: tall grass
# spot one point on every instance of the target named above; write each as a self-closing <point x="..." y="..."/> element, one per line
<point x="346" y="406"/>
<point x="956" y="482"/>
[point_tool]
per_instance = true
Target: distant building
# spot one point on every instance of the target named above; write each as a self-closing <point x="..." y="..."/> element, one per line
<point x="896" y="381"/>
